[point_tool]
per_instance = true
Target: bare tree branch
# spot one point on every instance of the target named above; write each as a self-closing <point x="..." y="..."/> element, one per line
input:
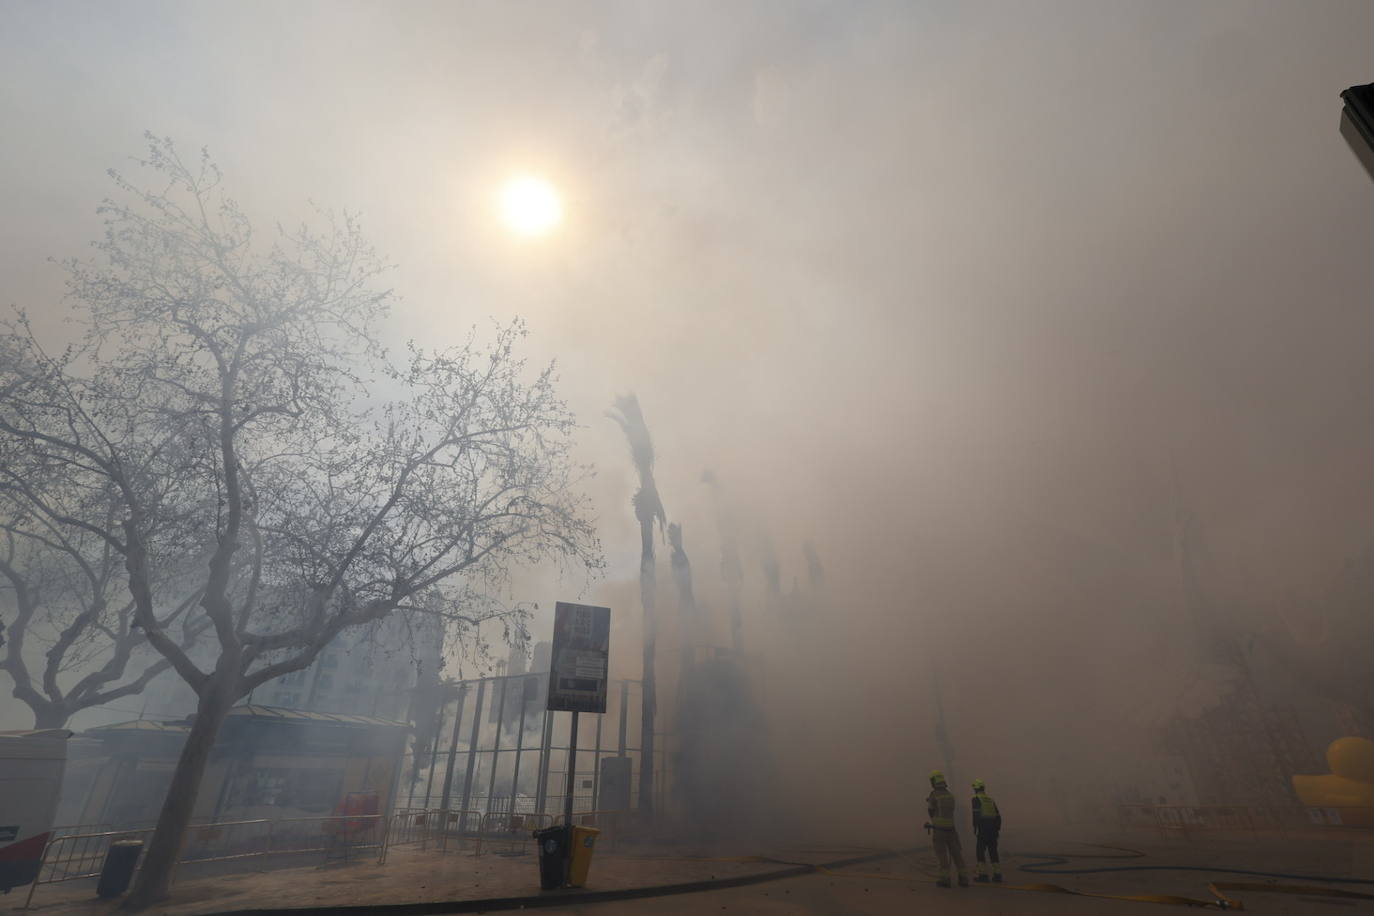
<point x="224" y="394"/>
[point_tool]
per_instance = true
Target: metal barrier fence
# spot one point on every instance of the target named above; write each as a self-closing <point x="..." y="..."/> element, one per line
<point x="511" y="830"/>
<point x="491" y="831"/>
<point x="1185" y="820"/>
<point x="1345" y="816"/>
<point x="80" y="855"/>
<point x="73" y="829"/>
<point x="1284" y="817"/>
<point x="444" y="828"/>
<point x="583" y="803"/>
<point x="455" y="824"/>
<point x="330" y="835"/>
<point x="407" y="826"/>
<point x="70" y="856"/>
<point x="73" y="856"/>
<point x="612" y="825"/>
<point x="226" y="841"/>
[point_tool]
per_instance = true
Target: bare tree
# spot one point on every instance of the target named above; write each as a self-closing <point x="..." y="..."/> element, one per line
<point x="70" y="601"/>
<point x="649" y="511"/>
<point x="234" y="396"/>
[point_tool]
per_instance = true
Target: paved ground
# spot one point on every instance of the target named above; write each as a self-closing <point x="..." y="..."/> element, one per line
<point x="906" y="884"/>
<point x="409" y="875"/>
<point x="902" y="884"/>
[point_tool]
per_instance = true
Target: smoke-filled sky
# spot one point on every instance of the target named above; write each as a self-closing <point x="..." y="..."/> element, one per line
<point x="956" y="290"/>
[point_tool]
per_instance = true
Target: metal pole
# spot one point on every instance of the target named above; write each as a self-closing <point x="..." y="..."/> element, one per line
<point x="596" y="765"/>
<point x="648" y="704"/>
<point x="572" y="771"/>
<point x="661" y="783"/>
<point x="545" y="752"/>
<point x="472" y="754"/>
<point x="453" y="747"/>
<point x="519" y="743"/>
<point x="624" y="713"/>
<point x="434" y="749"/>
<point x="496" y="748"/>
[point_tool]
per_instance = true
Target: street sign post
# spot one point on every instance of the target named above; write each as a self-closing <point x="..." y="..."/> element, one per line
<point x="577" y="675"/>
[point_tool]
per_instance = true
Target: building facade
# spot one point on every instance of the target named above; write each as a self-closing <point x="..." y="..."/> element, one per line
<point x="268" y="762"/>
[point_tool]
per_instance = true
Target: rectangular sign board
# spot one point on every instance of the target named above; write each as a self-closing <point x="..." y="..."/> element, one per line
<point x="581" y="651"/>
<point x="1357" y="123"/>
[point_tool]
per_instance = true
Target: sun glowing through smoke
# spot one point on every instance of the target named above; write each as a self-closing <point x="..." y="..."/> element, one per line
<point x="531" y="206"/>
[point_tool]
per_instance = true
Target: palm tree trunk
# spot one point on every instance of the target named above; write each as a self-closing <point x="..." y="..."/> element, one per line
<point x="648" y="510"/>
<point x="649" y="703"/>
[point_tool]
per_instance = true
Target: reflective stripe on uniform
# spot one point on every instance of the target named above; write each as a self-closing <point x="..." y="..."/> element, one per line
<point x="940" y="806"/>
<point x="987" y="808"/>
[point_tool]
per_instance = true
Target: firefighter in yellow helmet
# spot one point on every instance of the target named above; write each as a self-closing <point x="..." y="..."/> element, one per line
<point x="987" y="824"/>
<point x="940" y="807"/>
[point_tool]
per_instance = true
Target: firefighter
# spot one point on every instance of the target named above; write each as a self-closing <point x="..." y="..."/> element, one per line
<point x="940" y="808"/>
<point x="987" y="824"/>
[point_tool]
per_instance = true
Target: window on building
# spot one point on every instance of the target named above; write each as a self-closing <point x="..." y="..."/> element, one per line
<point x="314" y="790"/>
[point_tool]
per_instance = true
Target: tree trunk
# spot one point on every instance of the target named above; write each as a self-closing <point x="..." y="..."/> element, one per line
<point x="648" y="510"/>
<point x="52" y="716"/>
<point x="649" y="701"/>
<point x="155" y="877"/>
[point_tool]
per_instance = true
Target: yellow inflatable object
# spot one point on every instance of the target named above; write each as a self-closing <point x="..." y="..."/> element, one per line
<point x="1352" y="758"/>
<point x="1349" y="786"/>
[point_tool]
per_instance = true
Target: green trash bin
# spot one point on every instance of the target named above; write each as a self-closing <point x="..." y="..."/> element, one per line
<point x="118" y="869"/>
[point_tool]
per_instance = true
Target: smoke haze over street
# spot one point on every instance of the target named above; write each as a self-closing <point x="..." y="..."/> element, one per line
<point x="1047" y="324"/>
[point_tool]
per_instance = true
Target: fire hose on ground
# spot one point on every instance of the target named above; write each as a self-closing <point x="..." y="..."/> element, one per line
<point x="1220" y="901"/>
<point x="1052" y="863"/>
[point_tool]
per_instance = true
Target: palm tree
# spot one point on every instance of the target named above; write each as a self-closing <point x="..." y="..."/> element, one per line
<point x="648" y="510"/>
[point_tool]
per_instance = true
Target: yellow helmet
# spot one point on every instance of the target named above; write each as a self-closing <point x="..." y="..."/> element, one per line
<point x="937" y="778"/>
<point x="979" y="785"/>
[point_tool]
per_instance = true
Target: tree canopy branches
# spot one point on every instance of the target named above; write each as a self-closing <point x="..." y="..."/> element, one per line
<point x="231" y="398"/>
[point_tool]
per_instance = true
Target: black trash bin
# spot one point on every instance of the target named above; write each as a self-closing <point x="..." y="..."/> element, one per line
<point x="118" y="870"/>
<point x="555" y="843"/>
